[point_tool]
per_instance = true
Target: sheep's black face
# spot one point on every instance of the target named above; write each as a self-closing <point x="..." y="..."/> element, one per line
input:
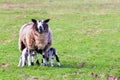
<point x="41" y="25"/>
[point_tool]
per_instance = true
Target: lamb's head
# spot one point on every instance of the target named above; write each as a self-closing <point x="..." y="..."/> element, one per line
<point x="41" y="25"/>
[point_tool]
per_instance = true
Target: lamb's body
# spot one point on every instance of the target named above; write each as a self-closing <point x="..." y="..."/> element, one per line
<point x="32" y="39"/>
<point x="26" y="57"/>
<point x="52" y="53"/>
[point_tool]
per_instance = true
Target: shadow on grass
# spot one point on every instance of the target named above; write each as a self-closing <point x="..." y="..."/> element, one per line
<point x="69" y="66"/>
<point x="72" y="65"/>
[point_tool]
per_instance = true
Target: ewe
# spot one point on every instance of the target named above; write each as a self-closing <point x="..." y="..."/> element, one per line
<point x="36" y="36"/>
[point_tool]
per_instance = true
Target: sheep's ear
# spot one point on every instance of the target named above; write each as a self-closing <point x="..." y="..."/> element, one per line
<point x="47" y="20"/>
<point x="34" y="21"/>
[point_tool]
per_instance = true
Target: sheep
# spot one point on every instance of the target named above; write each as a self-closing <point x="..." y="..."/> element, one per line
<point x="36" y="35"/>
<point x="51" y="54"/>
<point x="25" y="56"/>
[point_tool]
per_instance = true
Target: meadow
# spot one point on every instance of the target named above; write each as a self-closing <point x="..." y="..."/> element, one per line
<point x="86" y="34"/>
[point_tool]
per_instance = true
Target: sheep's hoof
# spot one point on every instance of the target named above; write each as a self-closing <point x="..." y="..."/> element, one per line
<point x="25" y="63"/>
<point x="18" y="65"/>
<point x="58" y="64"/>
<point x="32" y="63"/>
<point x="44" y="64"/>
<point x="37" y="62"/>
<point x="22" y="65"/>
<point x="52" y="65"/>
<point x="29" y="64"/>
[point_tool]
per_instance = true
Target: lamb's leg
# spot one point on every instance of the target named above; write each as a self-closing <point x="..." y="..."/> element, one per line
<point x="28" y="58"/>
<point x="32" y="56"/>
<point x="20" y="61"/>
<point x="45" y="54"/>
<point x="51" y="60"/>
<point x="36" y="58"/>
<point x="32" y="63"/>
<point x="44" y="59"/>
<point x="57" y="59"/>
<point x="56" y="56"/>
<point x="23" y="60"/>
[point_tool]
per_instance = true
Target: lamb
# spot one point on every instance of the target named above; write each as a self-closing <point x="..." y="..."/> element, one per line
<point x="36" y="35"/>
<point x="25" y="56"/>
<point x="51" y="54"/>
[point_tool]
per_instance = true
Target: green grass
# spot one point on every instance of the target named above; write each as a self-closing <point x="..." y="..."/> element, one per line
<point x="85" y="32"/>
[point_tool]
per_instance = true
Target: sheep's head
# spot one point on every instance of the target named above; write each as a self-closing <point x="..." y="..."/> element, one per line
<point x="41" y="25"/>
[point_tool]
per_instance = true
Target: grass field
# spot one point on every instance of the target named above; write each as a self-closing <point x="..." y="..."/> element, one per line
<point x="86" y="34"/>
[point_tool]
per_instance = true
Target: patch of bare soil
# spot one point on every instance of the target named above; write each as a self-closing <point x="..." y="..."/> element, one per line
<point x="98" y="76"/>
<point x="15" y="5"/>
<point x="77" y="73"/>
<point x="113" y="78"/>
<point x="64" y="76"/>
<point x="82" y="64"/>
<point x="89" y="31"/>
<point x="12" y="5"/>
<point x="5" y="41"/>
<point x="29" y="77"/>
<point x="94" y="75"/>
<point x="4" y="65"/>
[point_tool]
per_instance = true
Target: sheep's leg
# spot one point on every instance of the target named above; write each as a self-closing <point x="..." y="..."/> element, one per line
<point x="20" y="61"/>
<point x="47" y="59"/>
<point x="36" y="58"/>
<point x="51" y="60"/>
<point x="23" y="60"/>
<point x="32" y="56"/>
<point x="32" y="63"/>
<point x="44" y="59"/>
<point x="28" y="58"/>
<point x="37" y="62"/>
<point x="45" y="54"/>
<point x="57" y="59"/>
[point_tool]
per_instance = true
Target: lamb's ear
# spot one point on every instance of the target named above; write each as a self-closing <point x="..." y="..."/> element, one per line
<point x="33" y="20"/>
<point x="47" y="20"/>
